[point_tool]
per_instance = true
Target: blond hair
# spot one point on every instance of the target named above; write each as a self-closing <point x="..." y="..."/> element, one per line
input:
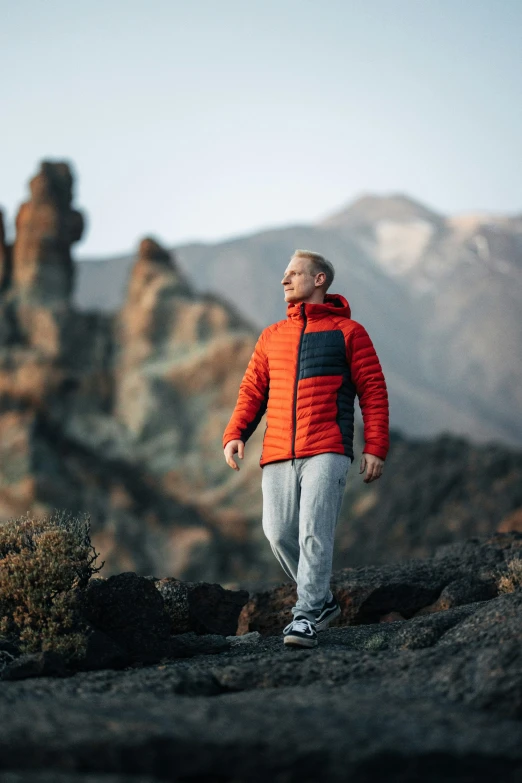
<point x="318" y="264"/>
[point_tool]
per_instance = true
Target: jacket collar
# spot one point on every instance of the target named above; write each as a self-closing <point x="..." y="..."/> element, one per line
<point x="334" y="304"/>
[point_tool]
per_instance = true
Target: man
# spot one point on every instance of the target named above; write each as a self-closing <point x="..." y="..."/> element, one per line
<point x="305" y="372"/>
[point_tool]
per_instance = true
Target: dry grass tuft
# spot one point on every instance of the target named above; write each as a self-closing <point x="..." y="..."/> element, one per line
<point x="43" y="562"/>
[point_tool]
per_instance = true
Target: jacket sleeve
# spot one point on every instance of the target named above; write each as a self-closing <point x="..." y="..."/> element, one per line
<point x="253" y="396"/>
<point x="371" y="389"/>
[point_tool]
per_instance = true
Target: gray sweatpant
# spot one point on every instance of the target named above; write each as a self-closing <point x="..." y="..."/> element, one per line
<point x="301" y="503"/>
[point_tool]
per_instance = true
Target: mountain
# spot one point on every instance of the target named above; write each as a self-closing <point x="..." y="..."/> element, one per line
<point x="440" y="296"/>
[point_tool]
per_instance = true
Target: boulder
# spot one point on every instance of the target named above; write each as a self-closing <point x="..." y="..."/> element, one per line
<point x="129" y="610"/>
<point x="41" y="664"/>
<point x="201" y="607"/>
<point x="130" y="622"/>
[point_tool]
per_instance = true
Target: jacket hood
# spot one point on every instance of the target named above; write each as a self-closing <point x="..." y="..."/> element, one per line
<point x="334" y="304"/>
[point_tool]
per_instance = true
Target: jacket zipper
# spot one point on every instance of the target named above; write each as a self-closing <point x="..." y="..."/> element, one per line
<point x="303" y="313"/>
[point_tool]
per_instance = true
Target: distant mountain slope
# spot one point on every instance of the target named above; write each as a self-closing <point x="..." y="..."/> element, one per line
<point x="441" y="298"/>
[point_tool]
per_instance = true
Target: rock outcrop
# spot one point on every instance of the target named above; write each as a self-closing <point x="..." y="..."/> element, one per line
<point x="126" y="620"/>
<point x="436" y="696"/>
<point x="122" y="416"/>
<point x="201" y="607"/>
<point x="46" y="227"/>
<point x="458" y="574"/>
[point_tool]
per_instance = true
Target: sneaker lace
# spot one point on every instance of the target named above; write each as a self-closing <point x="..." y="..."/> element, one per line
<point x="302" y="624"/>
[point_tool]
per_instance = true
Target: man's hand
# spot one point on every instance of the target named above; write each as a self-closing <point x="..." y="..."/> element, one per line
<point x="374" y="467"/>
<point x="231" y="448"/>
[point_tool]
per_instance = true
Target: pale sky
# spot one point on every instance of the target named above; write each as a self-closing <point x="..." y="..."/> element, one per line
<point x="212" y="118"/>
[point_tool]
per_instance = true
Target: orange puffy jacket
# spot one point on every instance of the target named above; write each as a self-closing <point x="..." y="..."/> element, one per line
<point x="305" y="372"/>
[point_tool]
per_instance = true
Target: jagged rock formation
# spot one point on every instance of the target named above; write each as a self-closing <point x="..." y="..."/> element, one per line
<point x="121" y="416"/>
<point x="178" y="362"/>
<point x="47" y="350"/>
<point x="46" y="227"/>
<point x="434" y="697"/>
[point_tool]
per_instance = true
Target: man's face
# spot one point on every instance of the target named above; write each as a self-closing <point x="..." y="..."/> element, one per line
<point x="298" y="282"/>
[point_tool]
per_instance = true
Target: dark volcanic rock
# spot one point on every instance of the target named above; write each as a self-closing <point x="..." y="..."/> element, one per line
<point x="457" y="574"/>
<point x="42" y="664"/>
<point x="175" y="594"/>
<point x="129" y="610"/>
<point x="187" y="645"/>
<point x="55" y="776"/>
<point x="353" y="708"/>
<point x="125" y="622"/>
<point x="463" y="590"/>
<point x="131" y="625"/>
<point x="215" y="609"/>
<point x="459" y="490"/>
<point x="201" y="607"/>
<point x="102" y="652"/>
<point x="494" y="623"/>
<point x="434" y="697"/>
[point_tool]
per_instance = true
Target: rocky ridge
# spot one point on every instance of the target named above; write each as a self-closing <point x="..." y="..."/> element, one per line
<point x="421" y="680"/>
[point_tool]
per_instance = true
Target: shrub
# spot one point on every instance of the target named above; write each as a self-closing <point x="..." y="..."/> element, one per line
<point x="511" y="579"/>
<point x="43" y="562"/>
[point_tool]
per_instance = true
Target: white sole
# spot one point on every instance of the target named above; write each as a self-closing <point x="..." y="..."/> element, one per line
<point x="298" y="641"/>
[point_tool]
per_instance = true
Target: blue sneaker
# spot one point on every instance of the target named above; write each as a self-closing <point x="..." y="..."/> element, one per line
<point x="300" y="633"/>
<point x="329" y="612"/>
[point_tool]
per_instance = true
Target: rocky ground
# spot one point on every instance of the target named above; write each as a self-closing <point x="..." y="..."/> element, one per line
<point x="404" y="692"/>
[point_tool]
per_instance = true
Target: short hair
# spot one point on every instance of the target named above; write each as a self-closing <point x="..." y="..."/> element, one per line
<point x="318" y="264"/>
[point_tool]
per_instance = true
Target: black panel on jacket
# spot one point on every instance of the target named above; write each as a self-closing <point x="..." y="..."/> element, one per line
<point x="323" y="353"/>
